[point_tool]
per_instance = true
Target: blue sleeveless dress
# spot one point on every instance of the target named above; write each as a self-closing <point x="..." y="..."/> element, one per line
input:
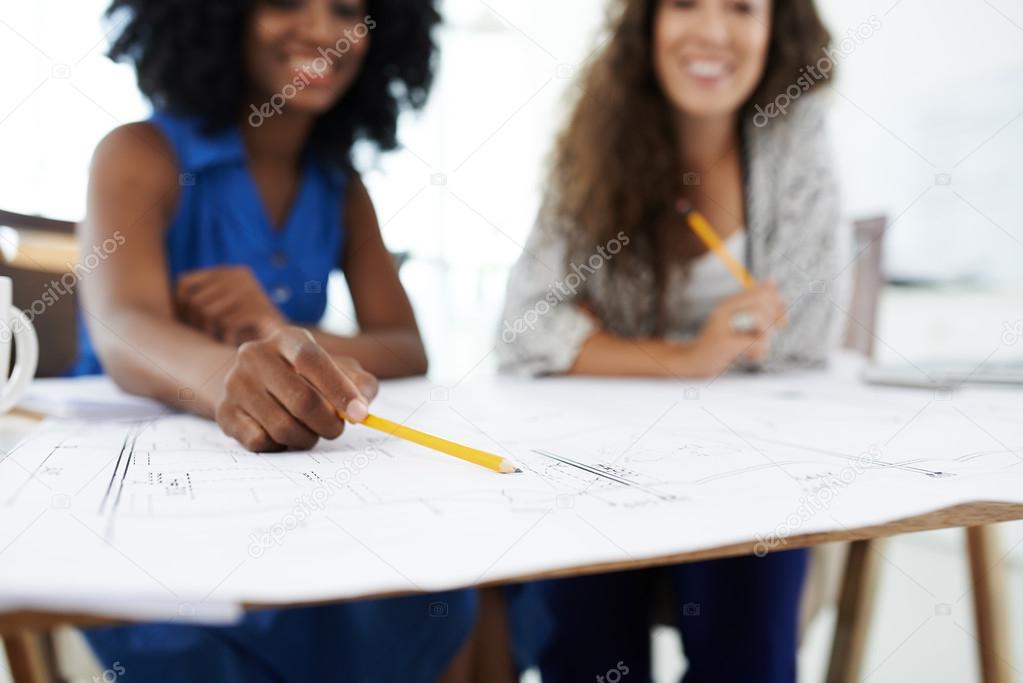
<point x="221" y="221"/>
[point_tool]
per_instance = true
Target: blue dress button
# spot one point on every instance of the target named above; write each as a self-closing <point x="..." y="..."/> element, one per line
<point x="280" y="294"/>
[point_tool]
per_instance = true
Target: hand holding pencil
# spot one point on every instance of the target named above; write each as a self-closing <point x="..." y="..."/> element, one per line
<point x="721" y="341"/>
<point x="739" y="326"/>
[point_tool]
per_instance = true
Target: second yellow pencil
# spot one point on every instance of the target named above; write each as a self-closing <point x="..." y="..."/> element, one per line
<point x="709" y="237"/>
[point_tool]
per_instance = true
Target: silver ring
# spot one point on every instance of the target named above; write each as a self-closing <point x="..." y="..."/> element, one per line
<point x="744" y="322"/>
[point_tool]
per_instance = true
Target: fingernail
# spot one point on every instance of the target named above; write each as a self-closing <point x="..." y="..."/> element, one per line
<point x="357" y="410"/>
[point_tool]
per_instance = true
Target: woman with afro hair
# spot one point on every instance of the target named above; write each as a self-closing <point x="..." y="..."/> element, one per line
<point x="230" y="207"/>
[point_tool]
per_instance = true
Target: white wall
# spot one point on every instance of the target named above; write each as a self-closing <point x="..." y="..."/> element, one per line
<point x="58" y="97"/>
<point x="938" y="90"/>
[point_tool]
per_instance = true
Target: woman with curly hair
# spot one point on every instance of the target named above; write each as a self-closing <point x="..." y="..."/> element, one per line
<point x="231" y="205"/>
<point x="691" y="104"/>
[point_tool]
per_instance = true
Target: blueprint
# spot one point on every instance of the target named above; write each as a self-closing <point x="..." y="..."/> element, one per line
<point x="164" y="517"/>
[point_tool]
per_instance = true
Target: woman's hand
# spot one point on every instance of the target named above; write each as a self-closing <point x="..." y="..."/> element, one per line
<point x="739" y="328"/>
<point x="284" y="392"/>
<point x="228" y="304"/>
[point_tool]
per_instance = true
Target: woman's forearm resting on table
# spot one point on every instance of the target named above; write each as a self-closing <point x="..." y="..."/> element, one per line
<point x="383" y="353"/>
<point x="179" y="366"/>
<point x="608" y="354"/>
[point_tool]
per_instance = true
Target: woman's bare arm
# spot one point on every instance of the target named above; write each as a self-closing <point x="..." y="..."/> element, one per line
<point x="388" y="344"/>
<point x="610" y="355"/>
<point x="717" y="348"/>
<point x="280" y="392"/>
<point x="126" y="298"/>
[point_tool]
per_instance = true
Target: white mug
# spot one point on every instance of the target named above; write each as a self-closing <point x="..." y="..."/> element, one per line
<point x="15" y="326"/>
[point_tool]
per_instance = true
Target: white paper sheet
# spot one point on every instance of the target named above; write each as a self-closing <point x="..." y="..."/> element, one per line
<point x="87" y="398"/>
<point x="168" y="514"/>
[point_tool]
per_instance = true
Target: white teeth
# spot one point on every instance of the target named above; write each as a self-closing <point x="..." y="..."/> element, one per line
<point x="706" y="69"/>
<point x="306" y="66"/>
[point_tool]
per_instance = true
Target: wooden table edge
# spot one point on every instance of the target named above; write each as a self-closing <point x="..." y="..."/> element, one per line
<point x="957" y="516"/>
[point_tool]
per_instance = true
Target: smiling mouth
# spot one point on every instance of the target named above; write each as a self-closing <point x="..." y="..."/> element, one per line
<point x="315" y="69"/>
<point x="706" y="68"/>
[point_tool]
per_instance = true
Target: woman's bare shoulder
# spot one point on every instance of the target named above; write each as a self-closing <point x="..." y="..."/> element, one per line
<point x="139" y="152"/>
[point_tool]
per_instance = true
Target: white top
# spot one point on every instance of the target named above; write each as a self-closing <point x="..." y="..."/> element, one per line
<point x="709" y="283"/>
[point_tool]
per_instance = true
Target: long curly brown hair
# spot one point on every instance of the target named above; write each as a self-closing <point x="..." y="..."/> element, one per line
<point x="616" y="167"/>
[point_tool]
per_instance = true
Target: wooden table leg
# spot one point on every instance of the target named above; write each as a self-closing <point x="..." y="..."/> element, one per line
<point x="855" y="607"/>
<point x="989" y="604"/>
<point x="28" y="658"/>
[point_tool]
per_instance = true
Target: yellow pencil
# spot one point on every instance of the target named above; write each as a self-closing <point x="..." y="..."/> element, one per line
<point x="467" y="453"/>
<point x="706" y="233"/>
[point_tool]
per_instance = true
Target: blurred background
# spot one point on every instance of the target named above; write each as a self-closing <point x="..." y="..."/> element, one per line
<point x="927" y="127"/>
